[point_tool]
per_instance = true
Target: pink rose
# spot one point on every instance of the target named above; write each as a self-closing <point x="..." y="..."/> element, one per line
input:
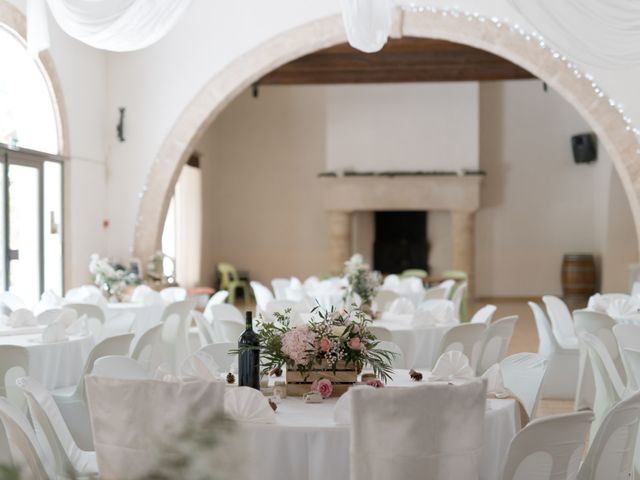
<point x="355" y="343"/>
<point x="323" y="387"/>
<point x="375" y="383"/>
<point x="325" y="344"/>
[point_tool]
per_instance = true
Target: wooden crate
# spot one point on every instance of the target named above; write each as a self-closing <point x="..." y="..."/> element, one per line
<point x="342" y="379"/>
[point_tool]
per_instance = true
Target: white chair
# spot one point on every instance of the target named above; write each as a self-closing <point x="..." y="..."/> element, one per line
<point x="562" y="364"/>
<point x="448" y="286"/>
<point x="281" y="306"/>
<point x="25" y="450"/>
<point x="610" y="388"/>
<point x="49" y="316"/>
<point x="628" y="338"/>
<point x="384" y="298"/>
<point x="466" y="338"/>
<point x="561" y="322"/>
<point x="96" y="318"/>
<point x="174" y="340"/>
<point x="14" y="363"/>
<point x="548" y="448"/>
<point x="600" y="325"/>
<point x="217" y="298"/>
<point x="72" y="400"/>
<point x="523" y="374"/>
<point x="381" y="333"/>
<point x="173" y="294"/>
<point x="484" y="314"/>
<point x="611" y="452"/>
<point x="495" y="342"/>
<point x="435" y="293"/>
<point x="148" y="349"/>
<point x="457" y="298"/>
<point x="398" y="358"/>
<point x="231" y="330"/>
<point x="220" y="354"/>
<point x="391" y="282"/>
<point x="205" y="330"/>
<point x="262" y="294"/>
<point x="119" y="366"/>
<point x="280" y="286"/>
<point x="395" y="433"/>
<point x="216" y="314"/>
<point x="146" y="296"/>
<point x="53" y="434"/>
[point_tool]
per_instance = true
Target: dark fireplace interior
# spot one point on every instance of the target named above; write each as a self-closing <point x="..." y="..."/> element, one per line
<point x="400" y="241"/>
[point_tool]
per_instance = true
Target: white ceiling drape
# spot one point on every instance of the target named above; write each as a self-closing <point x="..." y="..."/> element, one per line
<point x="604" y="33"/>
<point x="115" y="25"/>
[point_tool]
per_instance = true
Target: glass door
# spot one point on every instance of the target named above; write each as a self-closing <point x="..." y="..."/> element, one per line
<point x="32" y="210"/>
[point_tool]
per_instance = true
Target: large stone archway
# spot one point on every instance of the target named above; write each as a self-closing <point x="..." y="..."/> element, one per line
<point x="607" y="122"/>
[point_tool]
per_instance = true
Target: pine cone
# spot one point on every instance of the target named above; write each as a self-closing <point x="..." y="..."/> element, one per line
<point x="417" y="376"/>
<point x="231" y="378"/>
<point x="273" y="405"/>
<point x="276" y="372"/>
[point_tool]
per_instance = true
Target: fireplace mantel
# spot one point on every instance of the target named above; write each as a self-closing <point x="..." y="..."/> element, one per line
<point x="458" y="194"/>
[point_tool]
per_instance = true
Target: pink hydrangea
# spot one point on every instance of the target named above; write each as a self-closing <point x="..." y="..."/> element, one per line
<point x="355" y="343"/>
<point x="323" y="386"/>
<point x="296" y="342"/>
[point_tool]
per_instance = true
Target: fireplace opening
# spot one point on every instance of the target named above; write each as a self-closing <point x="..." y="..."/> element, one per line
<point x="400" y="241"/>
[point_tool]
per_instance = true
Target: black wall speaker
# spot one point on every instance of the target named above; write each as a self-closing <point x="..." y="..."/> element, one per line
<point x="584" y="148"/>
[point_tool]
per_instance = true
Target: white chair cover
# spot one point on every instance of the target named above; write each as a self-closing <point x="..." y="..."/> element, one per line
<point x="217" y="298"/>
<point x="383" y="299"/>
<point x="466" y="338"/>
<point x="440" y="312"/>
<point x="128" y="416"/>
<point x="119" y="366"/>
<point x="561" y="322"/>
<point x="216" y="314"/>
<point x="448" y="286"/>
<point x="436" y="293"/>
<point x="176" y="320"/>
<point x="548" y="448"/>
<point x="221" y="356"/>
<point x="263" y="295"/>
<point x="401" y="306"/>
<point x="391" y="282"/>
<point x="173" y="294"/>
<point x="628" y="338"/>
<point x="457" y="299"/>
<point x="429" y="431"/>
<point x="146" y="296"/>
<point x="14" y="363"/>
<point x="148" y="350"/>
<point x="523" y="374"/>
<point x="398" y="359"/>
<point x="612" y="450"/>
<point x="600" y="302"/>
<point x="280" y="286"/>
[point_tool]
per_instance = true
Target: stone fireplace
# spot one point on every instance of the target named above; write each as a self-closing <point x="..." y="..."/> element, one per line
<point x="457" y="194"/>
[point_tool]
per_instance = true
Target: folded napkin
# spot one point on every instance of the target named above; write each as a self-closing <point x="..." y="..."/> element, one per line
<point x="452" y="365"/>
<point x="146" y="296"/>
<point x="442" y="311"/>
<point x="21" y="317"/>
<point x="495" y="383"/>
<point x="621" y="308"/>
<point x="48" y="301"/>
<point x="78" y="327"/>
<point x="56" y="332"/>
<point x="401" y="306"/>
<point x="245" y="404"/>
<point x="200" y="365"/>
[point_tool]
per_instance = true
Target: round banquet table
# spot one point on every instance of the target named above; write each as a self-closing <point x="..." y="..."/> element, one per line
<point x="418" y="343"/>
<point x="145" y="316"/>
<point x="55" y="365"/>
<point x="306" y="444"/>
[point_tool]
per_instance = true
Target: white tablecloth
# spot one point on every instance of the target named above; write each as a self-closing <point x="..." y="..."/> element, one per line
<point x="306" y="444"/>
<point x="418" y="344"/>
<point x="146" y="316"/>
<point x="55" y="365"/>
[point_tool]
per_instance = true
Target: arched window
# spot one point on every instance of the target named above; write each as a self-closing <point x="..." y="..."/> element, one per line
<point x="32" y="173"/>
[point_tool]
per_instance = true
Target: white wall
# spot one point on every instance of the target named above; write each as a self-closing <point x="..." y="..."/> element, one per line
<point x="263" y="205"/>
<point x="83" y="80"/>
<point x="411" y="126"/>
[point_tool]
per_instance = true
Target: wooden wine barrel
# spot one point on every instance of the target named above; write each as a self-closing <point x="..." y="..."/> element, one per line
<point x="578" y="276"/>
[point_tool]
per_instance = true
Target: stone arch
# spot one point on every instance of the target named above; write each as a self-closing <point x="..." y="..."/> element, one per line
<point x="608" y="123"/>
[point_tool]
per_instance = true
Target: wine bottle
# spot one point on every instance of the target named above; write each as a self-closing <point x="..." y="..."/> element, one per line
<point x="249" y="361"/>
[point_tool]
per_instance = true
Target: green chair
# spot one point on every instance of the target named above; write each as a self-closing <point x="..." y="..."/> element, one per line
<point x="414" y="272"/>
<point x="230" y="281"/>
<point x="459" y="276"/>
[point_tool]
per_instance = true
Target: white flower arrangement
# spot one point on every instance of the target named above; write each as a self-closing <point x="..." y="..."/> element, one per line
<point x="362" y="281"/>
<point x="109" y="277"/>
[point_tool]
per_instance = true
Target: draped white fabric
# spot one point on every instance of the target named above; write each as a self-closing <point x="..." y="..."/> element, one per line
<point x="115" y="25"/>
<point x="367" y="22"/>
<point x="603" y="33"/>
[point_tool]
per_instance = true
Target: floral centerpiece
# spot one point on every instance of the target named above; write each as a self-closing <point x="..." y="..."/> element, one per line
<point x="324" y="354"/>
<point x="111" y="277"/>
<point x="362" y="281"/>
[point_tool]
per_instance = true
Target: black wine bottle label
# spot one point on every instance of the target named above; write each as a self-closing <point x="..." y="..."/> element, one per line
<point x="249" y="360"/>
